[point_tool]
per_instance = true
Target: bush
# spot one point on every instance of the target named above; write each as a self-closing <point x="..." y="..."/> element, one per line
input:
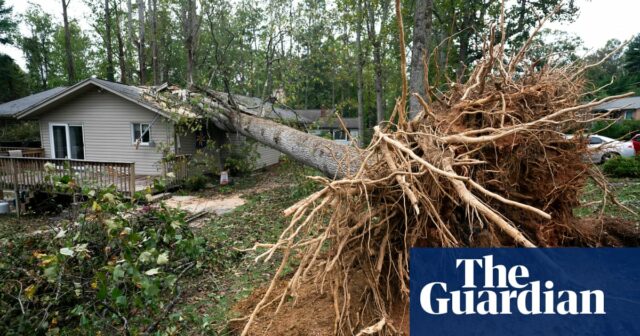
<point x="242" y="158"/>
<point x="624" y="129"/>
<point x="622" y="167"/>
<point x="196" y="182"/>
<point x="115" y="270"/>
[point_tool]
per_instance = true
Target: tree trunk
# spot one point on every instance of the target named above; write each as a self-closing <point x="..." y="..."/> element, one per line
<point x="153" y="6"/>
<point x="468" y="11"/>
<point x="333" y="159"/>
<point x="422" y="30"/>
<point x="190" y="27"/>
<point x="376" y="42"/>
<point x="71" y="76"/>
<point x="107" y="19"/>
<point x="360" y="60"/>
<point x="141" y="45"/>
<point x="121" y="55"/>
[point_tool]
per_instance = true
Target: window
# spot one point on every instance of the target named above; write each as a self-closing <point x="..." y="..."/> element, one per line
<point x="67" y="141"/>
<point x="628" y="115"/>
<point x="594" y="140"/>
<point x="141" y="133"/>
<point x="339" y="135"/>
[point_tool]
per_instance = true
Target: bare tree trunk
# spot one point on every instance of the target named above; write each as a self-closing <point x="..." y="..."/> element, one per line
<point x="153" y="7"/>
<point x="107" y="19"/>
<point x="360" y="60"/>
<point x="141" y="44"/>
<point x="376" y="42"/>
<point x="190" y="29"/>
<point x="71" y="76"/>
<point x="121" y="54"/>
<point x="422" y="30"/>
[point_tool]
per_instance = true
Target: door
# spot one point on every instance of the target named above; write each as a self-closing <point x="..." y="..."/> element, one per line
<point x="59" y="145"/>
<point x="67" y="141"/>
<point x="76" y="142"/>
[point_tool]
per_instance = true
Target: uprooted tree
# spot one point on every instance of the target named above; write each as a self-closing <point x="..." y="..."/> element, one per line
<point x="484" y="164"/>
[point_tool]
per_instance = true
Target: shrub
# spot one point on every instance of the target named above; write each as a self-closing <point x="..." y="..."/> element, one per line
<point x="624" y="129"/>
<point x="196" y="182"/>
<point x="115" y="269"/>
<point x="242" y="158"/>
<point x="622" y="167"/>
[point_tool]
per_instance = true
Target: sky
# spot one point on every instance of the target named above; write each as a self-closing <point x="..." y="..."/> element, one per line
<point x="597" y="22"/>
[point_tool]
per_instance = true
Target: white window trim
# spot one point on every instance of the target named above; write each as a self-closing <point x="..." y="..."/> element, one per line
<point x="66" y="131"/>
<point x="133" y="136"/>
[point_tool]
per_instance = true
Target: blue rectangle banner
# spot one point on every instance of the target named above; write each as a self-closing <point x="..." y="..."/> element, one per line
<point x="518" y="291"/>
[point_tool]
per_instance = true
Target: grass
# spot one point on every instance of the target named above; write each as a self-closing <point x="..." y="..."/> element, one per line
<point x="626" y="191"/>
<point x="232" y="273"/>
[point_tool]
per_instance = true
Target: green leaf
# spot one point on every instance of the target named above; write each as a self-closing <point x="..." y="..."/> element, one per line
<point x="163" y="258"/>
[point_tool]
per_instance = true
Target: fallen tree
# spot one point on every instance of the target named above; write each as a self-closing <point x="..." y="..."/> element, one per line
<point x="484" y="164"/>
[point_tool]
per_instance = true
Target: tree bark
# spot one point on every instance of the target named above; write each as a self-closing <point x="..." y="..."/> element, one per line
<point x="422" y="30"/>
<point x="359" y="75"/>
<point x="153" y="7"/>
<point x="71" y="76"/>
<point x="107" y="19"/>
<point x="333" y="159"/>
<point x="190" y="28"/>
<point x="121" y="55"/>
<point x="141" y="43"/>
<point x="376" y="42"/>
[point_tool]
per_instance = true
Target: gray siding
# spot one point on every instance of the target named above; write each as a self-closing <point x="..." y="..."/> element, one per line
<point x="267" y="155"/>
<point x="106" y="121"/>
<point x="187" y="144"/>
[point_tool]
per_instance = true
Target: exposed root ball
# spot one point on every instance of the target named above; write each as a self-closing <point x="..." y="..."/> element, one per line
<point x="485" y="164"/>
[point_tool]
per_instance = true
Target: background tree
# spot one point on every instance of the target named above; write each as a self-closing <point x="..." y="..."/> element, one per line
<point x="71" y="73"/>
<point x="7" y="23"/>
<point x="14" y="83"/>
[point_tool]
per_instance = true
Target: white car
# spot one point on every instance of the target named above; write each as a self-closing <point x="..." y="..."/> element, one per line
<point x="602" y="148"/>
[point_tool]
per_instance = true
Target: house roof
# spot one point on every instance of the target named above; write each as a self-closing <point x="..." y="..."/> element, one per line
<point x="131" y="93"/>
<point x="324" y="118"/>
<point x="10" y="109"/>
<point x="629" y="103"/>
<point x="137" y="95"/>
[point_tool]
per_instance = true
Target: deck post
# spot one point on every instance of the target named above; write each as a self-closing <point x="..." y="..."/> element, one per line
<point x="132" y="179"/>
<point x="16" y="188"/>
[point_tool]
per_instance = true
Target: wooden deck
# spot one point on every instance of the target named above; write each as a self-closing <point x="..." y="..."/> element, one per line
<point x="36" y="173"/>
<point x="22" y="151"/>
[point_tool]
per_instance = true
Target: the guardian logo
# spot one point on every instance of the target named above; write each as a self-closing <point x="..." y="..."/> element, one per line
<point x="504" y="291"/>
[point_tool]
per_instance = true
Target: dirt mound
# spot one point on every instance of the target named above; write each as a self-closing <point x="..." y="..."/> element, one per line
<point x="313" y="311"/>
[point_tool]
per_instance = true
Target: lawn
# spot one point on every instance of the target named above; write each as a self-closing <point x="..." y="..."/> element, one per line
<point x="626" y="191"/>
<point x="232" y="273"/>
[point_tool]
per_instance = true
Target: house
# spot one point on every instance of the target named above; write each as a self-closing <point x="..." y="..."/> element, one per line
<point x="98" y="120"/>
<point x="324" y="123"/>
<point x="623" y="108"/>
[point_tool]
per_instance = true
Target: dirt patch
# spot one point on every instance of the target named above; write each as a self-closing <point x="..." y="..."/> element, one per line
<point x="195" y="204"/>
<point x="313" y="311"/>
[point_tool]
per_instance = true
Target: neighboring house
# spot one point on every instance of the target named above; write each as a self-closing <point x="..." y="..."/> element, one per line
<point x="98" y="120"/>
<point x="624" y="108"/>
<point x="325" y="123"/>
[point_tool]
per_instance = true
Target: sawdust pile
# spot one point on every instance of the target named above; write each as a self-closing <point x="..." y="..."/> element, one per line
<point x="484" y="164"/>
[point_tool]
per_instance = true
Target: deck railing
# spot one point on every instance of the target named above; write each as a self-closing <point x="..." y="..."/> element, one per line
<point x="29" y="173"/>
<point x="41" y="173"/>
<point x="25" y="151"/>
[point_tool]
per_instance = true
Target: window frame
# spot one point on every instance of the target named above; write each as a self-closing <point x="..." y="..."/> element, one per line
<point x="66" y="126"/>
<point x="335" y="131"/>
<point x="133" y="133"/>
